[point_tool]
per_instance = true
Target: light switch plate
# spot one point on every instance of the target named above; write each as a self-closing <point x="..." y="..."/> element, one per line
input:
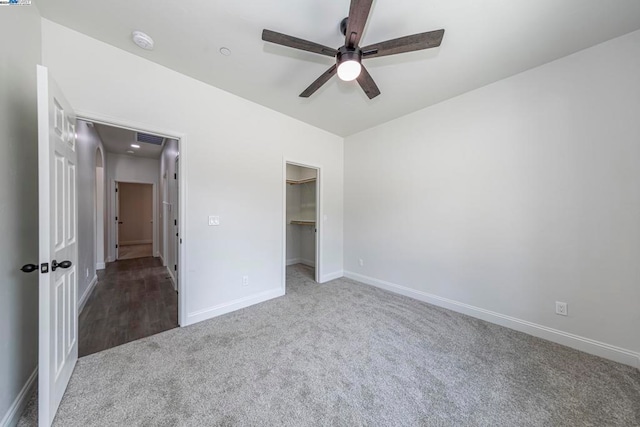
<point x="214" y="220"/>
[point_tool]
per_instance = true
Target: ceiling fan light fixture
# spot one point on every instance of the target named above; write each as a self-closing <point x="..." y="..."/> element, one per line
<point x="349" y="65"/>
<point x="349" y="70"/>
<point x="348" y="58"/>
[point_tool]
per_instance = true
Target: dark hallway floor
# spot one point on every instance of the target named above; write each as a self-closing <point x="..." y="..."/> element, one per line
<point x="133" y="299"/>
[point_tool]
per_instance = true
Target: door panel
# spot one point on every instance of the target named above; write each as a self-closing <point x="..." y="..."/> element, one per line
<point x="58" y="228"/>
<point x="59" y="207"/>
<point x="58" y="330"/>
<point x="71" y="203"/>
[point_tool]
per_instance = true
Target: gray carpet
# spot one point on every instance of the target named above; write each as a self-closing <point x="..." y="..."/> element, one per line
<point x="344" y="353"/>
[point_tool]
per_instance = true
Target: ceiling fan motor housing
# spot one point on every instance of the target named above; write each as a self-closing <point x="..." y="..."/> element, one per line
<point x="348" y="54"/>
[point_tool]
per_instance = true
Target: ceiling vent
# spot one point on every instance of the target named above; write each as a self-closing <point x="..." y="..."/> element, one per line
<point x="149" y="139"/>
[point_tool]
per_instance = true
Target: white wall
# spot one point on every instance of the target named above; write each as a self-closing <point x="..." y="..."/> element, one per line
<point x="512" y="197"/>
<point x="233" y="163"/>
<point x="128" y="169"/>
<point x="88" y="142"/>
<point x="19" y="54"/>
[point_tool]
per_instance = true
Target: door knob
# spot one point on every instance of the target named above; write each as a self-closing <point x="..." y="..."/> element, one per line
<point x="119" y="222"/>
<point x="64" y="264"/>
<point x="28" y="268"/>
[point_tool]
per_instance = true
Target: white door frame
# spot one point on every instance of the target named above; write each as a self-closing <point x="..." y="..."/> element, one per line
<point x="182" y="202"/>
<point x="176" y="228"/>
<point x="319" y="217"/>
<point x="164" y="183"/>
<point x="113" y="231"/>
<point x="154" y="199"/>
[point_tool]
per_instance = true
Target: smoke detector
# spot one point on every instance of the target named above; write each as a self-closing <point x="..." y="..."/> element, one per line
<point x="143" y="40"/>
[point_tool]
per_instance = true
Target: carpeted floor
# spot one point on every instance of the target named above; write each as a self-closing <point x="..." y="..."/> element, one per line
<point x="344" y="353"/>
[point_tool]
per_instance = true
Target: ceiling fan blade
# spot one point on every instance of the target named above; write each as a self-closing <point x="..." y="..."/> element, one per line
<point x="319" y="82"/>
<point x="367" y="84"/>
<point x="296" y="43"/>
<point x="404" y="44"/>
<point x="358" y="14"/>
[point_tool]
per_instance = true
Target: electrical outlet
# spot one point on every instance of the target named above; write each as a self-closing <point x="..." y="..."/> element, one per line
<point x="562" y="308"/>
<point x="87" y="272"/>
<point x="214" y="220"/>
<point x="245" y="280"/>
<point x="361" y="262"/>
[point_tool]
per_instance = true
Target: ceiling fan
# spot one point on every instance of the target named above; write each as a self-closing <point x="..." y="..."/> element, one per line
<point x="349" y="57"/>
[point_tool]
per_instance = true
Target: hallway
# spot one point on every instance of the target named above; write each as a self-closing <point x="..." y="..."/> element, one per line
<point x="135" y="251"/>
<point x="133" y="299"/>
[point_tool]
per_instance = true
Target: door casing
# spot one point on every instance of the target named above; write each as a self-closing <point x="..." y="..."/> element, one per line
<point x="319" y="219"/>
<point x="183" y="145"/>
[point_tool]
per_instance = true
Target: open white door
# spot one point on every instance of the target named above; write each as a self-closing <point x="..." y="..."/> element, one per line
<point x="176" y="221"/>
<point x="58" y="221"/>
<point x="118" y="220"/>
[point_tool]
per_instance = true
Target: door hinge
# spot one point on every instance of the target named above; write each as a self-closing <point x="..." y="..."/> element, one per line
<point x="175" y="176"/>
<point x="116" y="190"/>
<point x="116" y="246"/>
<point x="175" y="267"/>
<point x="175" y="222"/>
<point x="180" y="241"/>
<point x="44" y="267"/>
<point x="116" y="218"/>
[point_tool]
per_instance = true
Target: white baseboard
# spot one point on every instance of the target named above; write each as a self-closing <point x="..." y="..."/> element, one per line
<point x="218" y="310"/>
<point x="587" y="345"/>
<point x="308" y="262"/>
<point x="101" y="266"/>
<point x="293" y="261"/>
<point x="161" y="259"/>
<point x="135" y="242"/>
<point x="331" y="276"/>
<point x="14" y="413"/>
<point x="87" y="293"/>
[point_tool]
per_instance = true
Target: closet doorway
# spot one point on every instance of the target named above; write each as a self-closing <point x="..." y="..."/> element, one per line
<point x="302" y="203"/>
<point x="135" y="231"/>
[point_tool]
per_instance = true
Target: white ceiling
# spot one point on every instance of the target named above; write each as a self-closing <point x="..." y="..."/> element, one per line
<point x="485" y="41"/>
<point x="117" y="140"/>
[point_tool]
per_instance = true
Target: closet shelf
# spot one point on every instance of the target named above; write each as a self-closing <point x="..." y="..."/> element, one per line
<point x="302" y="181"/>
<point x="301" y="222"/>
